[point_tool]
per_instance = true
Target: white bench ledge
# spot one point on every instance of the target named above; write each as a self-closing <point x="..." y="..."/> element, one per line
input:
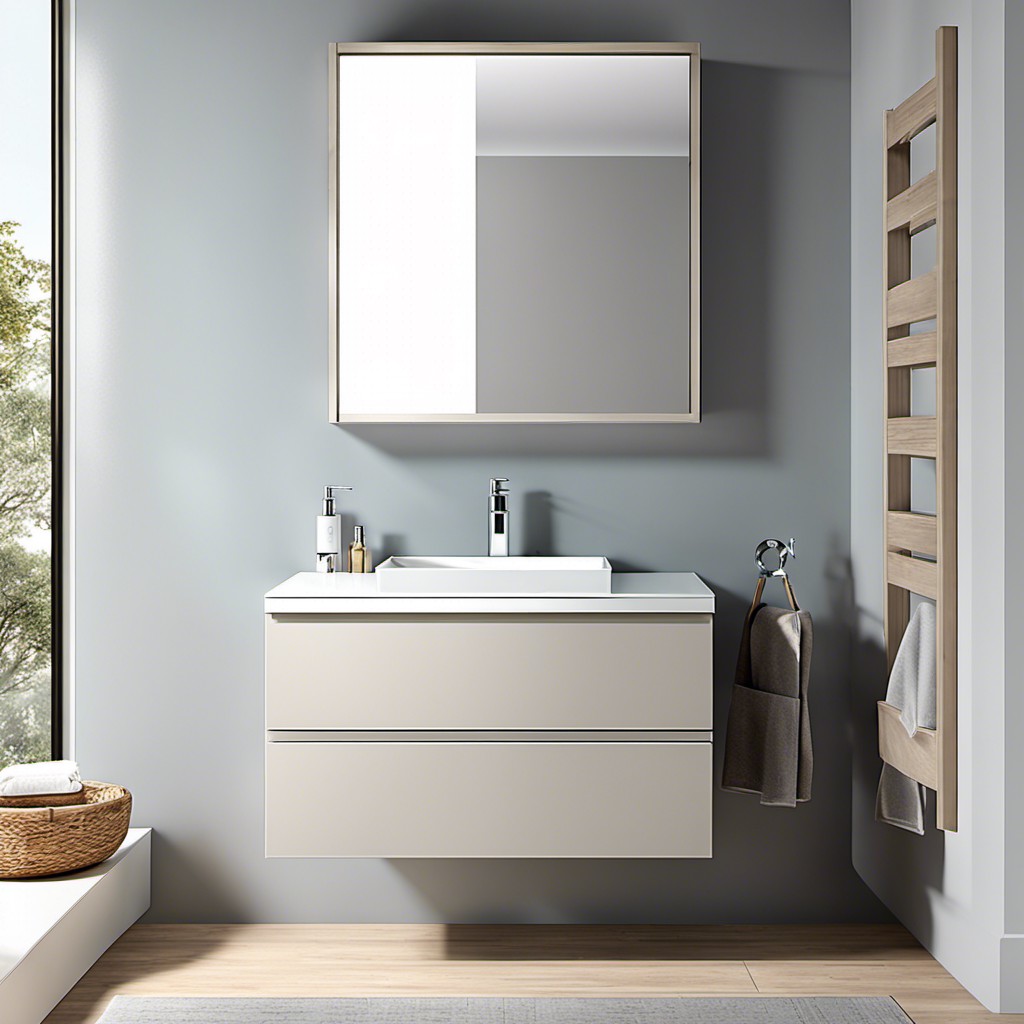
<point x="52" y="930"/>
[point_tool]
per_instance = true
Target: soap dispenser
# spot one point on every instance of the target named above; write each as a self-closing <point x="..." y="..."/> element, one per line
<point x="328" y="532"/>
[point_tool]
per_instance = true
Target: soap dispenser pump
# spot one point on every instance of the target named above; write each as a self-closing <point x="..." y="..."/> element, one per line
<point x="328" y="532"/>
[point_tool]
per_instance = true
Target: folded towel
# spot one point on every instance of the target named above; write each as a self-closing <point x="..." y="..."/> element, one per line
<point x="768" y="737"/>
<point x="45" y="777"/>
<point x="912" y="680"/>
<point x="900" y="800"/>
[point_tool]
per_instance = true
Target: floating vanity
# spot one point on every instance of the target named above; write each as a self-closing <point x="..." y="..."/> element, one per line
<point x="439" y="724"/>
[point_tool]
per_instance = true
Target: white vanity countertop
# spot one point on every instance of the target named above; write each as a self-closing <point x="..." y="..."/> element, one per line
<point x="352" y="593"/>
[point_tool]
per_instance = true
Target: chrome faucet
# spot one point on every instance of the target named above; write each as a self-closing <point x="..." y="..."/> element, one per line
<point x="497" y="517"/>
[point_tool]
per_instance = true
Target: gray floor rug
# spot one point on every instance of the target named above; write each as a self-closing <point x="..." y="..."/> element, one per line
<point x="743" y="1010"/>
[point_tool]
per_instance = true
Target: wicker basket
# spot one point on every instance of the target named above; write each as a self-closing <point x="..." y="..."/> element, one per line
<point x="37" y="841"/>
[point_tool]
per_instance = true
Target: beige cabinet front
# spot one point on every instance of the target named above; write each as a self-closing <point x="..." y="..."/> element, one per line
<point x="535" y="672"/>
<point x="488" y="799"/>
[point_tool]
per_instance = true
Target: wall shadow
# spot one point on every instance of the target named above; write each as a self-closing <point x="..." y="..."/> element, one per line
<point x="901" y="868"/>
<point x="390" y="544"/>
<point x="736" y="305"/>
<point x="760" y="850"/>
<point x="469" y="21"/>
<point x="538" y="523"/>
<point x="180" y="867"/>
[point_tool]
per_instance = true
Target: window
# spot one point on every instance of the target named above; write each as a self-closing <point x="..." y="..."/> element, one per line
<point x="30" y="554"/>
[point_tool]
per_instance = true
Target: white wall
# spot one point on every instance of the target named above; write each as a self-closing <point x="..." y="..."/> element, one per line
<point x="948" y="888"/>
<point x="203" y="439"/>
<point x="1013" y="926"/>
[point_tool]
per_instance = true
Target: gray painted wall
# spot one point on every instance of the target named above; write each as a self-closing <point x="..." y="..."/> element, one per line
<point x="959" y="893"/>
<point x="1014" y="497"/>
<point x="202" y="437"/>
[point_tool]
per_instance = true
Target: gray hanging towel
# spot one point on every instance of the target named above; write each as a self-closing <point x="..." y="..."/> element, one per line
<point x="900" y="800"/>
<point x="768" y="736"/>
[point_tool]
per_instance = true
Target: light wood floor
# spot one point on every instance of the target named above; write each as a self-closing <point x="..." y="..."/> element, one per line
<point x="523" y="960"/>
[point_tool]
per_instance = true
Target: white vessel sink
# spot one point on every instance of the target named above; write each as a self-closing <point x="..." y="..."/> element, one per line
<point x="414" y="574"/>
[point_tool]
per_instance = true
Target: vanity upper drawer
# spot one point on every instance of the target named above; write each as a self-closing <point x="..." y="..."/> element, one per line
<point x="492" y="799"/>
<point x="589" y="671"/>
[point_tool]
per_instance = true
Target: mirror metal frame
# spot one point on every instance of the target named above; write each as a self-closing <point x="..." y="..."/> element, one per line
<point x="691" y="50"/>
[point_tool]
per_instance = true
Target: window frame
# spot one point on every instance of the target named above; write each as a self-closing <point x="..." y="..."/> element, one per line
<point x="59" y="83"/>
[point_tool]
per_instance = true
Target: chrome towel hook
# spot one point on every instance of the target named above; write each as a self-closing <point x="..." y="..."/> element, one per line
<point x="784" y="552"/>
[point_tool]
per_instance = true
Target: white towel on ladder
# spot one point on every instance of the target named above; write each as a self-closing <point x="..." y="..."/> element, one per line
<point x="900" y="800"/>
<point x="912" y="680"/>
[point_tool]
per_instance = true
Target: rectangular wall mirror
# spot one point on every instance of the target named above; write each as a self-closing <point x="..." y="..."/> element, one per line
<point x="515" y="232"/>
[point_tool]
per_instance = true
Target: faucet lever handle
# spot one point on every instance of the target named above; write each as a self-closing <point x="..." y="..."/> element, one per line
<point x="496" y="482"/>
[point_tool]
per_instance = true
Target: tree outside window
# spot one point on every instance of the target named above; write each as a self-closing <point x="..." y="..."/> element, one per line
<point x="26" y="381"/>
<point x="25" y="468"/>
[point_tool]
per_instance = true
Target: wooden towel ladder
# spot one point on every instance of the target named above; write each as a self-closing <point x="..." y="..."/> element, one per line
<point x="921" y="550"/>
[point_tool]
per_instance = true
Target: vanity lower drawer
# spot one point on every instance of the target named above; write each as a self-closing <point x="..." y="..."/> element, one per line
<point x="488" y="799"/>
<point x="589" y="671"/>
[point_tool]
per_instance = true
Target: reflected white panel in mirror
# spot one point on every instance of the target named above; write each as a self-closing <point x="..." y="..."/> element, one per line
<point x="407" y="234"/>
